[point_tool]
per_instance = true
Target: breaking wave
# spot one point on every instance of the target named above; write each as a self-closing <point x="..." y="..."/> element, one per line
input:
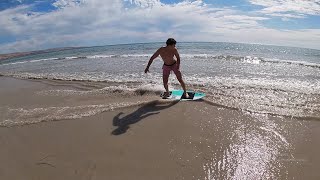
<point x="245" y="59"/>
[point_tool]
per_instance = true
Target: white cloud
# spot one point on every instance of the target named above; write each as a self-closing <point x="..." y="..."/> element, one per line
<point x="145" y="3"/>
<point x="66" y="3"/>
<point x="289" y="7"/>
<point x="96" y="22"/>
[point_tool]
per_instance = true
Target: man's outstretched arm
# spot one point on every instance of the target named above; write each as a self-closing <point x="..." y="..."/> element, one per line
<point x="155" y="55"/>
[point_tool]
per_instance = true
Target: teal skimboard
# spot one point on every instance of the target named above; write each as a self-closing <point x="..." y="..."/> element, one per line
<point x="177" y="95"/>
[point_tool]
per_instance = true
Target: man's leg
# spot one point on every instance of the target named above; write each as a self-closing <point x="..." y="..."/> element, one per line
<point x="183" y="85"/>
<point x="165" y="78"/>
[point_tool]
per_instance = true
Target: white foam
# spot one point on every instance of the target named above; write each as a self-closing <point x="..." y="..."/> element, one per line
<point x="121" y="89"/>
<point x="150" y="87"/>
<point x="23" y="116"/>
<point x="251" y="60"/>
<point x="284" y="85"/>
<point x="102" y="77"/>
<point x="72" y="57"/>
<point x="204" y="56"/>
<point x="22" y="62"/>
<point x="302" y="63"/>
<point x="99" y="56"/>
<point x="135" y="55"/>
<point x="30" y="61"/>
<point x="289" y="85"/>
<point x="39" y="60"/>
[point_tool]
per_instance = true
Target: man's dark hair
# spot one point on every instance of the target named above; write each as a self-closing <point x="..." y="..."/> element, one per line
<point x="171" y="41"/>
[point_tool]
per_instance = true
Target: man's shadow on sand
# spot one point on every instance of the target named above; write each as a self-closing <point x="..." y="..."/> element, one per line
<point x="151" y="108"/>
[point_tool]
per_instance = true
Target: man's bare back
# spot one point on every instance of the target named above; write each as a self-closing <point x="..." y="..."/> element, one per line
<point x="167" y="54"/>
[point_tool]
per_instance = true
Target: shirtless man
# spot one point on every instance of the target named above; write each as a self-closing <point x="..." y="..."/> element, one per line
<point x="170" y="64"/>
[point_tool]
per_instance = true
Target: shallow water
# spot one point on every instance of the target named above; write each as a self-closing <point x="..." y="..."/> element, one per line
<point x="254" y="78"/>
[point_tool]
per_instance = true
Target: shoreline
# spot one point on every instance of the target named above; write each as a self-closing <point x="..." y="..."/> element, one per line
<point x="152" y="140"/>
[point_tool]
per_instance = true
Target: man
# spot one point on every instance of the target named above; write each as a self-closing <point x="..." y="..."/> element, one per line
<point x="170" y="64"/>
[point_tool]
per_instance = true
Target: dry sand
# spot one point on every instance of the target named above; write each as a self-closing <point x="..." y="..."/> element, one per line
<point x="154" y="139"/>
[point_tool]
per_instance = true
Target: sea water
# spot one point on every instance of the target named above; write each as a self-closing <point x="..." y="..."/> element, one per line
<point x="250" y="77"/>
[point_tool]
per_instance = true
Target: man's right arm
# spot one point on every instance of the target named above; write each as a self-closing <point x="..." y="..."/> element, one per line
<point x="155" y="55"/>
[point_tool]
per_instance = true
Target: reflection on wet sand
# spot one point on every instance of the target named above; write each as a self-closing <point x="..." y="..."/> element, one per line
<point x="252" y="150"/>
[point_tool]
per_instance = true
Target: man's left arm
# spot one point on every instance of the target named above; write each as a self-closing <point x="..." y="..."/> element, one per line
<point x="178" y="58"/>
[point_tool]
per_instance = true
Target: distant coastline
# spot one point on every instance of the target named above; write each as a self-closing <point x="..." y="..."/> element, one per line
<point x="20" y="54"/>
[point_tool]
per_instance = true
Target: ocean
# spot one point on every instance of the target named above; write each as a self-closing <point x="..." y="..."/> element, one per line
<point x="263" y="79"/>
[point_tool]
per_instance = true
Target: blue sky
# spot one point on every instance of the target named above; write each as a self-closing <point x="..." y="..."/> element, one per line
<point x="40" y="24"/>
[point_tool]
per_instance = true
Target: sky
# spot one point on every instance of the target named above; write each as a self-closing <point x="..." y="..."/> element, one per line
<point x="27" y="25"/>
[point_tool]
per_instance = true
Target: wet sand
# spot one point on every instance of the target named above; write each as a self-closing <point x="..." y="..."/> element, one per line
<point x="154" y="139"/>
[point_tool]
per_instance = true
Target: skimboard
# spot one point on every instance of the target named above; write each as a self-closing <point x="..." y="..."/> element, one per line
<point x="177" y="95"/>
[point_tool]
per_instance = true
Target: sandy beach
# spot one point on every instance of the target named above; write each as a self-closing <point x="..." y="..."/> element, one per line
<point x="97" y="135"/>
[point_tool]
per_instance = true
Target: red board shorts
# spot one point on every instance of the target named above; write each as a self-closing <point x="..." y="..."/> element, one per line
<point x="166" y="69"/>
